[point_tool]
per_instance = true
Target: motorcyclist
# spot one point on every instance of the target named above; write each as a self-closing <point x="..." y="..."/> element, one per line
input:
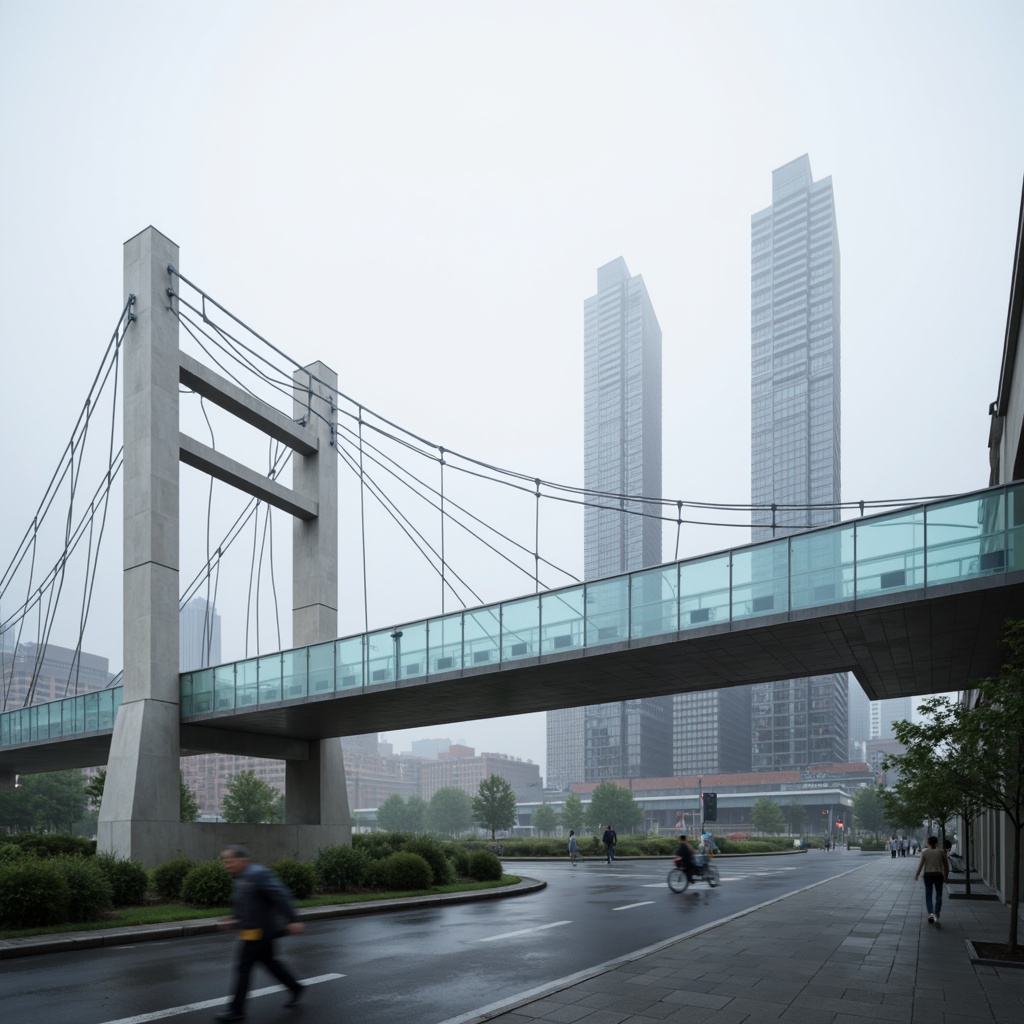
<point x="685" y="859"/>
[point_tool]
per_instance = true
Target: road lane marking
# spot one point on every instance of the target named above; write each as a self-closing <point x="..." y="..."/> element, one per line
<point x="505" y="935"/>
<point x="207" y="1004"/>
<point x="630" y="906"/>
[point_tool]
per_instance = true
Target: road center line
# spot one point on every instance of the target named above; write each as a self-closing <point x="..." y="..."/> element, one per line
<point x="207" y="1004"/>
<point x="504" y="935"/>
<point x="630" y="906"/>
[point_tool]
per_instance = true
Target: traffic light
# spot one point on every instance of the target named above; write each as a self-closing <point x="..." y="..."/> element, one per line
<point x="711" y="807"/>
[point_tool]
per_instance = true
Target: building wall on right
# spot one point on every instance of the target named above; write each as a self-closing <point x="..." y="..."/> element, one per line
<point x="795" y="437"/>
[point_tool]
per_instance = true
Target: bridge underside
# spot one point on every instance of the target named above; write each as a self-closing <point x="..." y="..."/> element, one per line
<point x="897" y="646"/>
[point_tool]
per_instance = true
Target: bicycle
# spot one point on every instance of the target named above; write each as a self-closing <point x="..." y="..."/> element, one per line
<point x="705" y="872"/>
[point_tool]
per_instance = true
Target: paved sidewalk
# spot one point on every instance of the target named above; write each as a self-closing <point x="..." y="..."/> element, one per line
<point x="845" y="951"/>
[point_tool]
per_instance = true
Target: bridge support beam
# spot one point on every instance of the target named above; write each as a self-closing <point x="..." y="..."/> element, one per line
<point x="140" y="812"/>
<point x="315" y="793"/>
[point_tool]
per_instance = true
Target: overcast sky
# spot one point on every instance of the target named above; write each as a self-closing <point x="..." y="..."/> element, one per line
<point x="419" y="194"/>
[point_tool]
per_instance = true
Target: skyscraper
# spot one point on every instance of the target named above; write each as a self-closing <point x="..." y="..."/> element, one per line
<point x="621" y="458"/>
<point x="795" y="437"/>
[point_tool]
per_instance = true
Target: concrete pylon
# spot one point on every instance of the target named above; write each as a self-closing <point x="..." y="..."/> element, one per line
<point x="141" y="800"/>
<point x="315" y="792"/>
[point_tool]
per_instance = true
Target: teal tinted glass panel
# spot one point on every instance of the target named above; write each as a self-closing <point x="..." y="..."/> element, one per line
<point x="202" y="691"/>
<point x="224" y="687"/>
<point x="821" y="567"/>
<point x="481" y="637"/>
<point x="247" y="679"/>
<point x="444" y="643"/>
<point x="654" y="601"/>
<point x="966" y="538"/>
<point x="91" y="701"/>
<point x="381" y="649"/>
<point x="890" y="553"/>
<point x="561" y="618"/>
<point x="185" y="693"/>
<point x="349" y="671"/>
<point x="269" y="671"/>
<point x="760" y="580"/>
<point x="1015" y="528"/>
<point x="294" y="673"/>
<point x="704" y="591"/>
<point x="607" y="611"/>
<point x="413" y="649"/>
<point x="520" y="629"/>
<point x="321" y="667"/>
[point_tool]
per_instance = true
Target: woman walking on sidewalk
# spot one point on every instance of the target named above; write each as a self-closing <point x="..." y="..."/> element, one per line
<point x="935" y="865"/>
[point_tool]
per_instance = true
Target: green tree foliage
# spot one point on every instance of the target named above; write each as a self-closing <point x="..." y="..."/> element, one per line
<point x="573" y="815"/>
<point x="766" y="816"/>
<point x="615" y="805"/>
<point x="249" y="800"/>
<point x="95" y="784"/>
<point x="189" y="804"/>
<point x="398" y="815"/>
<point x="48" y="802"/>
<point x="544" y="819"/>
<point x="450" y="812"/>
<point x="869" y="810"/>
<point x="796" y="815"/>
<point x="494" y="806"/>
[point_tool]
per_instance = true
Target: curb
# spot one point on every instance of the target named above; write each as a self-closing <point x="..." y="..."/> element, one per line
<point x="68" y="942"/>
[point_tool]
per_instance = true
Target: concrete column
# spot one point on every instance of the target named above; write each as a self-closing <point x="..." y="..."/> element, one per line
<point x="139" y="816"/>
<point x="315" y="789"/>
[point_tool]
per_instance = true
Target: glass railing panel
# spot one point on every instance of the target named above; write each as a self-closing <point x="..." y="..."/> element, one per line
<point x="295" y="673"/>
<point x="185" y="693"/>
<point x="561" y="619"/>
<point x="381" y="648"/>
<point x="321" y="667"/>
<point x="966" y="538"/>
<point x="821" y="567"/>
<point x="654" y="601"/>
<point x="444" y="638"/>
<point x="890" y="553"/>
<point x="247" y="682"/>
<point x="607" y="610"/>
<point x="268" y="675"/>
<point x="704" y="591"/>
<point x="350" y="669"/>
<point x="760" y="580"/>
<point x="1015" y="527"/>
<point x="224" y="687"/>
<point x="520" y="629"/>
<point x="481" y="637"/>
<point x="91" y="704"/>
<point x="202" y="691"/>
<point x="412" y="661"/>
<point x="80" y="723"/>
<point x="108" y="711"/>
<point x="67" y="718"/>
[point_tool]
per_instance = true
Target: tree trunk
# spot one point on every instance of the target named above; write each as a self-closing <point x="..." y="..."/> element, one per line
<point x="1015" y="887"/>
<point x="967" y="854"/>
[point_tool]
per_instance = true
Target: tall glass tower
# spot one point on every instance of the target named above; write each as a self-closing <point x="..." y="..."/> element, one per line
<point x="795" y="436"/>
<point x="621" y="458"/>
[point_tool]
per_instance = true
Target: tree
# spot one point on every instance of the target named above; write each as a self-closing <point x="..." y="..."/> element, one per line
<point x="249" y="800"/>
<point x="188" y="804"/>
<point x="766" y="816"/>
<point x="573" y="815"/>
<point x="494" y="806"/>
<point x="869" y="810"/>
<point x="796" y="815"/>
<point x="391" y="814"/>
<point x="611" y="804"/>
<point x="48" y="802"/>
<point x="544" y="819"/>
<point x="94" y="788"/>
<point x="450" y="812"/>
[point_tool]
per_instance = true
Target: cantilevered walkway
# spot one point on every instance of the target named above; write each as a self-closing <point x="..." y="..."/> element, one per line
<point x="912" y="602"/>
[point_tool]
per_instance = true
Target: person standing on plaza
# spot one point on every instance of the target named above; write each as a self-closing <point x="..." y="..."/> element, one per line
<point x="260" y="903"/>
<point x="572" y="847"/>
<point x="609" y="839"/>
<point x="935" y="865"/>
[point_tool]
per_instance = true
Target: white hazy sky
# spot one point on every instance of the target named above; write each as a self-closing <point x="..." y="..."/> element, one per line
<point x="419" y="194"/>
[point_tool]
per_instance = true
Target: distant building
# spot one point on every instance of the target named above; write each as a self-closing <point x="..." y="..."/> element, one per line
<point x="795" y="445"/>
<point x="461" y="768"/>
<point x="711" y="731"/>
<point x="38" y="673"/>
<point x="858" y="711"/>
<point x="885" y="712"/>
<point x="431" y="747"/>
<point x="198" y="635"/>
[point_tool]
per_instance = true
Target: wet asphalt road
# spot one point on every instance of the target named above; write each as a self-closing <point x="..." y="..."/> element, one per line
<point x="416" y="966"/>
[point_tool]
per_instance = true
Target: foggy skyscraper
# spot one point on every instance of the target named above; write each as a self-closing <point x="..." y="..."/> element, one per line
<point x="621" y="456"/>
<point x="795" y="436"/>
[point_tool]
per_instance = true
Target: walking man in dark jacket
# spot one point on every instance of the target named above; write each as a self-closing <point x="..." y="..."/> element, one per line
<point x="259" y="903"/>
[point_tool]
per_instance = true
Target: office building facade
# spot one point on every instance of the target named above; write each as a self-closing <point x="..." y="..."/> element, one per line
<point x="621" y="459"/>
<point x="795" y="439"/>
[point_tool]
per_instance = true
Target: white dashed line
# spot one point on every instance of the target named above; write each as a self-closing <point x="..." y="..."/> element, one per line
<point x="630" y="906"/>
<point x="509" y="935"/>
